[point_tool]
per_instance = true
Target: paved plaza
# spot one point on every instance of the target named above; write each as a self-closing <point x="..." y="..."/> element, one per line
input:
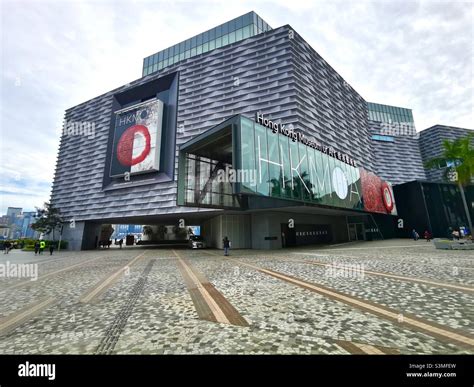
<point x="381" y="297"/>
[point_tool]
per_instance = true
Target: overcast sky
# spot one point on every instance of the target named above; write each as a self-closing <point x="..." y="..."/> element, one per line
<point x="57" y="54"/>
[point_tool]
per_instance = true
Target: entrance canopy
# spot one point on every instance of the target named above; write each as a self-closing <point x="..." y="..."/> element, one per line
<point x="241" y="163"/>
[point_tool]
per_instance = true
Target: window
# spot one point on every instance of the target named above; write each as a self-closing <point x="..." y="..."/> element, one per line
<point x="239" y="34"/>
<point x="378" y="137"/>
<point x="225" y="40"/>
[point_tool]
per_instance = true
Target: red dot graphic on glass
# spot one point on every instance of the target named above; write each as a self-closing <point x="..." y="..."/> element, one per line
<point x="125" y="145"/>
<point x="387" y="197"/>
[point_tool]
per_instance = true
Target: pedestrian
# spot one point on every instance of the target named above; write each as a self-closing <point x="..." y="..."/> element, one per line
<point x="51" y="248"/>
<point x="121" y="242"/>
<point x="427" y="235"/>
<point x="455" y="235"/>
<point x="226" y="243"/>
<point x="42" y="246"/>
<point x="7" y="245"/>
<point x="415" y="235"/>
<point x="37" y="247"/>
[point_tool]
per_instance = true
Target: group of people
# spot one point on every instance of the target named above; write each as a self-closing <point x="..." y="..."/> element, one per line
<point x="454" y="234"/>
<point x="458" y="233"/>
<point x="41" y="245"/>
<point x="426" y="235"/>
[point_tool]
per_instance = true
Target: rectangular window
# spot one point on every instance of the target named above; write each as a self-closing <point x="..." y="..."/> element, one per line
<point x="199" y="50"/>
<point x="181" y="56"/>
<point x="294" y="161"/>
<point x="205" y="47"/>
<point x="187" y="44"/>
<point x="303" y="178"/>
<point x="219" y="42"/>
<point x="193" y="42"/>
<point x="239" y="34"/>
<point x="212" y="34"/>
<point x="285" y="171"/>
<point x="199" y="40"/>
<point x="218" y="31"/>
<point x="239" y="23"/>
<point x="231" y="25"/>
<point x="225" y="40"/>
<point x="212" y="45"/>
<point x="232" y="37"/>
<point x="160" y="56"/>
<point x="155" y="67"/>
<point x="248" y="154"/>
<point x="193" y="52"/>
<point x="225" y="29"/>
<point x="205" y="37"/>
<point x="274" y="164"/>
<point x="247" y="19"/>
<point x="187" y="54"/>
<point x="246" y="33"/>
<point x="261" y="154"/>
<point x="378" y="137"/>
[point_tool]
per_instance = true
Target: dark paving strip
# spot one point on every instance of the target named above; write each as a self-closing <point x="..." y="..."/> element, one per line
<point x="209" y="303"/>
<point x="365" y="349"/>
<point x="440" y="332"/>
<point x="98" y="289"/>
<point x="112" y="334"/>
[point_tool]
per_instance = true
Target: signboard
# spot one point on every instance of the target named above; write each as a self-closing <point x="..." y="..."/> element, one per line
<point x="137" y="139"/>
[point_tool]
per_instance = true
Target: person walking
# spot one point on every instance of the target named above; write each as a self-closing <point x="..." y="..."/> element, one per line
<point x="51" y="248"/>
<point x="37" y="247"/>
<point x="6" y="245"/>
<point x="226" y="243"/>
<point x="42" y="246"/>
<point x="415" y="235"/>
<point x="427" y="235"/>
<point x="121" y="242"/>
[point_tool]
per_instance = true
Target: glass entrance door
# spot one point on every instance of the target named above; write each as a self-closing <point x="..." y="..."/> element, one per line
<point x="356" y="231"/>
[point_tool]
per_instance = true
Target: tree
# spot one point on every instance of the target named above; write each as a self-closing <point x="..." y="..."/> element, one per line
<point x="48" y="219"/>
<point x="458" y="156"/>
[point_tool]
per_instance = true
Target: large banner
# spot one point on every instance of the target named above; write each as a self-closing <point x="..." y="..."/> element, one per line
<point x="289" y="166"/>
<point x="137" y="139"/>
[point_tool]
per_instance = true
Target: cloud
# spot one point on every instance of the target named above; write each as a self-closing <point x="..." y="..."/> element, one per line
<point x="57" y="54"/>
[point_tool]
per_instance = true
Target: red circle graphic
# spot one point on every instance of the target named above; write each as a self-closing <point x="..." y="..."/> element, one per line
<point x="125" y="145"/>
<point x="387" y="197"/>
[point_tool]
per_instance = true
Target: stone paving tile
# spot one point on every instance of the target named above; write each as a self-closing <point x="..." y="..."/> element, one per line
<point x="284" y="307"/>
<point x="452" y="308"/>
<point x="283" y="318"/>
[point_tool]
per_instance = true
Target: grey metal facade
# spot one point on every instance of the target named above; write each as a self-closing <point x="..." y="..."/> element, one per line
<point x="276" y="73"/>
<point x="431" y="146"/>
<point x="399" y="161"/>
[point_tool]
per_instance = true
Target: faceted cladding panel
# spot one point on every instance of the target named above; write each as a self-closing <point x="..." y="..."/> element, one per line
<point x="275" y="72"/>
<point x="328" y="108"/>
<point x="399" y="160"/>
<point x="431" y="145"/>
